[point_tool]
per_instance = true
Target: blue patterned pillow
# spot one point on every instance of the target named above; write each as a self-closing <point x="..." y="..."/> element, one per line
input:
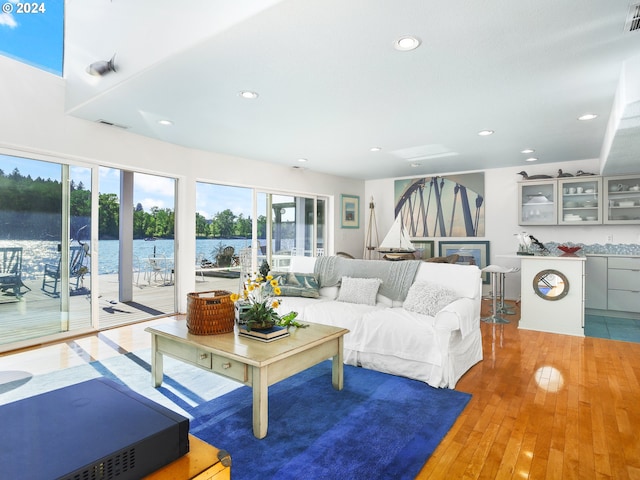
<point x="294" y="284"/>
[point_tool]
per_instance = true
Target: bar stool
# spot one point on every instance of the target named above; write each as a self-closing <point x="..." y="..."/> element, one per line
<point x="502" y="308"/>
<point x="495" y="316"/>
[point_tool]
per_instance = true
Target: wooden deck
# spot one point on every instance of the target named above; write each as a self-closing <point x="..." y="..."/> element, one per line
<point x="36" y="315"/>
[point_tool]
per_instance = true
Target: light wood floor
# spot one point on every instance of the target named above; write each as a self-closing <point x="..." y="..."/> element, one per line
<point x="543" y="405"/>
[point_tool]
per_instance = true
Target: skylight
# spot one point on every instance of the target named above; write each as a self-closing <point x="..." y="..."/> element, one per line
<point x="33" y="33"/>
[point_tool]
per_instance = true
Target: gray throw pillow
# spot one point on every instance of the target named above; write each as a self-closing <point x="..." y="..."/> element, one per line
<point x="359" y="290"/>
<point x="428" y="298"/>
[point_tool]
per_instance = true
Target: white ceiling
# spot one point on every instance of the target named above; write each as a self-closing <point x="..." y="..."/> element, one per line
<point x="331" y="85"/>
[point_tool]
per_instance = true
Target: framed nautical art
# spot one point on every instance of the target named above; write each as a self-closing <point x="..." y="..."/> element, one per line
<point x="473" y="252"/>
<point x="448" y="206"/>
<point x="350" y="211"/>
<point x="424" y="248"/>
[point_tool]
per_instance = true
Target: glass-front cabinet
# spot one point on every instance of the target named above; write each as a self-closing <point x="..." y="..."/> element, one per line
<point x="537" y="200"/>
<point x="584" y="200"/>
<point x="580" y="200"/>
<point x="622" y="199"/>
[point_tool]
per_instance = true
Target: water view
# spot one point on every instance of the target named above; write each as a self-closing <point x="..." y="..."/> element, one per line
<point x="37" y="253"/>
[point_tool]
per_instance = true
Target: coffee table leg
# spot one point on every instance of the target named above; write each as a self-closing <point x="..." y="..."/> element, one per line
<point x="260" y="402"/>
<point x="156" y="363"/>
<point x="337" y="367"/>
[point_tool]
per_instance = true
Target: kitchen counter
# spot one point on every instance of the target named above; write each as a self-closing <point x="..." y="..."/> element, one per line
<point x="552" y="293"/>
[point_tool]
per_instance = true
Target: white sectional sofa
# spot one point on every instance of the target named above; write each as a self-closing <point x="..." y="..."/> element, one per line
<point x="425" y="327"/>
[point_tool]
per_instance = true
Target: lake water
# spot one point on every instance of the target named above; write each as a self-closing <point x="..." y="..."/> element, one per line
<point x="37" y="253"/>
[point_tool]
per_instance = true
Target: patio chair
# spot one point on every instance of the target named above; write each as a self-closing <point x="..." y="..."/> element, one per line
<point x="77" y="270"/>
<point x="158" y="267"/>
<point x="11" y="270"/>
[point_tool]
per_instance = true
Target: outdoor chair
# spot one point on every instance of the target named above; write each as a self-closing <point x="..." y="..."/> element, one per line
<point x="158" y="268"/>
<point x="77" y="270"/>
<point x="11" y="270"/>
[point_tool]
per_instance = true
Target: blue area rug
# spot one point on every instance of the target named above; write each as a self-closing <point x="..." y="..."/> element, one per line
<point x="378" y="426"/>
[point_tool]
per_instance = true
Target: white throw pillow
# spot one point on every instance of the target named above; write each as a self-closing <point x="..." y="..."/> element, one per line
<point x="428" y="298"/>
<point x="359" y="290"/>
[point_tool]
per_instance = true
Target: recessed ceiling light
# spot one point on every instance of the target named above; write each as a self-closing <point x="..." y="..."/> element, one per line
<point x="414" y="164"/>
<point x="375" y="149"/>
<point x="249" y="95"/>
<point x="527" y="150"/>
<point x="588" y="116"/>
<point x="484" y="133"/>
<point x="406" y="43"/>
<point x="302" y="160"/>
<point x="165" y="122"/>
<point x="531" y="159"/>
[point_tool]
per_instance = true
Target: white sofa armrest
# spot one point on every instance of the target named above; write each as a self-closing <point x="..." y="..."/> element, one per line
<point x="461" y="314"/>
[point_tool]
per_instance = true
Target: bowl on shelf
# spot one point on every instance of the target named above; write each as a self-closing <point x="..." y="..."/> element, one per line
<point x="568" y="250"/>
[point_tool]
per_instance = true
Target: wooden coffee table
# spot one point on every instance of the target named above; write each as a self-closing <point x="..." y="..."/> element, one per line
<point x="254" y="363"/>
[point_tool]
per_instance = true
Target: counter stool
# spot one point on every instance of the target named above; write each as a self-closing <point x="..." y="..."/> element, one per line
<point x="495" y="316"/>
<point x="502" y="308"/>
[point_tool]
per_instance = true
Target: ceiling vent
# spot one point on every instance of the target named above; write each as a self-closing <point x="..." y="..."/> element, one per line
<point x="633" y="19"/>
<point x="111" y="124"/>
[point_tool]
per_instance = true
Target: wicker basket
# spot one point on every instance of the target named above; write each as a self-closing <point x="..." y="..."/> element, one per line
<point x="210" y="313"/>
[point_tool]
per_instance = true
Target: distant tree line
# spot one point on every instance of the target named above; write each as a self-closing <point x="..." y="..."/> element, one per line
<point x="227" y="224"/>
<point x="31" y="208"/>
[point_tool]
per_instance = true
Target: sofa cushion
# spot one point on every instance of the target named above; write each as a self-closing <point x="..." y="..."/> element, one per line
<point x="462" y="279"/>
<point x="294" y="284"/>
<point x="330" y="293"/>
<point x="303" y="264"/>
<point x="359" y="290"/>
<point x="428" y="298"/>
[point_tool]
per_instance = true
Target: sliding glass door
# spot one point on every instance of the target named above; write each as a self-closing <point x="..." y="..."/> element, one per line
<point x="251" y="226"/>
<point x="136" y="246"/>
<point x="45" y="249"/>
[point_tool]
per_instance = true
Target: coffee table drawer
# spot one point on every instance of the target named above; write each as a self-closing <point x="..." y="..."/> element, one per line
<point x="179" y="350"/>
<point x="229" y="368"/>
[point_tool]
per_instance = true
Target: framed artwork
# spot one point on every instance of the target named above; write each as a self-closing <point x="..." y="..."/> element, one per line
<point x="350" y="211"/>
<point x="448" y="206"/>
<point x="424" y="248"/>
<point x="470" y="253"/>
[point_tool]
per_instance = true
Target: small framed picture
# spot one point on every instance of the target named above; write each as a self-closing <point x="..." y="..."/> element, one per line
<point x="424" y="248"/>
<point x="350" y="211"/>
<point x="469" y="253"/>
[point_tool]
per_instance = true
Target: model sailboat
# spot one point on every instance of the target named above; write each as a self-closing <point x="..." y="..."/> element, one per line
<point x="397" y="241"/>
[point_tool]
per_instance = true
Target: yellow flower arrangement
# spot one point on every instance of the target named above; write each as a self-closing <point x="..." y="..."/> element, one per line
<point x="260" y="292"/>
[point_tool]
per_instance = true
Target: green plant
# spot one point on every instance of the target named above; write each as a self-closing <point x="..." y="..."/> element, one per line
<point x="261" y="292"/>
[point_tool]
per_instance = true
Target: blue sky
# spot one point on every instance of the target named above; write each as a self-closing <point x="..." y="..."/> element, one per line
<point x="36" y="37"/>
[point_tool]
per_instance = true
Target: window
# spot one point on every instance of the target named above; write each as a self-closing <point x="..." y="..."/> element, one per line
<point x="277" y="225"/>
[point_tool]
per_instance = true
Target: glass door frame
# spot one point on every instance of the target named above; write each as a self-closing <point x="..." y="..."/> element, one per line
<point x="314" y="234"/>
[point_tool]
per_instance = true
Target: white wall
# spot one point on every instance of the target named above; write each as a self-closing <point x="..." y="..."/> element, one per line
<point x="33" y="124"/>
<point x="501" y="215"/>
